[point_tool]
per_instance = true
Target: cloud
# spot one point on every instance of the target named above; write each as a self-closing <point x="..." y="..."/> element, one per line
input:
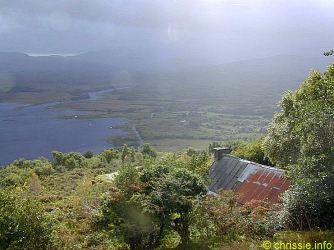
<point x="140" y="13"/>
<point x="247" y="25"/>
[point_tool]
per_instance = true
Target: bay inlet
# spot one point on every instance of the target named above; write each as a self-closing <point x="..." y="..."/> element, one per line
<point x="30" y="131"/>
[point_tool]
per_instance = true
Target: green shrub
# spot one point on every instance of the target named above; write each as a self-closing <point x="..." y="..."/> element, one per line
<point x="23" y="223"/>
<point x="17" y="173"/>
<point x="109" y="155"/>
<point x="69" y="160"/>
<point x="148" y="204"/>
<point x="148" y="151"/>
<point x="88" y="154"/>
<point x="234" y="221"/>
<point x="252" y="151"/>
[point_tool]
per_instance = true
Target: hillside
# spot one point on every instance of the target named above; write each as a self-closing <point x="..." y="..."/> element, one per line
<point x="138" y="198"/>
<point x="103" y="201"/>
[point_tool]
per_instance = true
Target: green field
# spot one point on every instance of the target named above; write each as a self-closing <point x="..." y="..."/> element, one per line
<point x="171" y="122"/>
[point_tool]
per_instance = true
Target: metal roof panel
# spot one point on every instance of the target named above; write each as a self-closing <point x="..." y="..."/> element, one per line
<point x="249" y="179"/>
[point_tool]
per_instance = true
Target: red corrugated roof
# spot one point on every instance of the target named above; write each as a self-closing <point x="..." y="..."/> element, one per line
<point x="262" y="184"/>
<point x="251" y="180"/>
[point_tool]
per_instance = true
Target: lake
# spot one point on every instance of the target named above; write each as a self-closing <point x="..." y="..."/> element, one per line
<point x="29" y="131"/>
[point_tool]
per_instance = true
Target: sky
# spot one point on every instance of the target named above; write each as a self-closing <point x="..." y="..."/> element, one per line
<point x="216" y="30"/>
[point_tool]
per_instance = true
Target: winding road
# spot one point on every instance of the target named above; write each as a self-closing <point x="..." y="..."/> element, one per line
<point x="140" y="139"/>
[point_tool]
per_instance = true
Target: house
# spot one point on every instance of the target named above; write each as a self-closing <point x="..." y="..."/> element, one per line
<point x="252" y="181"/>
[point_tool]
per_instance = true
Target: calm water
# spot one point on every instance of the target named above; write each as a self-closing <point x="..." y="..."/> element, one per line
<point x="30" y="131"/>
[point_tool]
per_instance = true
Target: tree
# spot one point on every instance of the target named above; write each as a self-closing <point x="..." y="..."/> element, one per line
<point x="149" y="203"/>
<point x="169" y="194"/>
<point x="139" y="158"/>
<point x="301" y="139"/>
<point x="148" y="150"/>
<point x="128" y="175"/>
<point x="109" y="155"/>
<point x="252" y="151"/>
<point x="304" y="127"/>
<point x="200" y="162"/>
<point x="88" y="154"/>
<point x="69" y="160"/>
<point x="125" y="152"/>
<point x="122" y="212"/>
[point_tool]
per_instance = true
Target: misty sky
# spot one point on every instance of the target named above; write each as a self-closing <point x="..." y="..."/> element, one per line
<point x="220" y="29"/>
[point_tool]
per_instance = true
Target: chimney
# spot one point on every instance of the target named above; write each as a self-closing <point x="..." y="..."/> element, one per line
<point x="219" y="153"/>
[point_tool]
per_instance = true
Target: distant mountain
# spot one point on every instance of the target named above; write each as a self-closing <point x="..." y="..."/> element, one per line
<point x="98" y="69"/>
<point x="87" y="70"/>
<point x="280" y="72"/>
<point x="271" y="75"/>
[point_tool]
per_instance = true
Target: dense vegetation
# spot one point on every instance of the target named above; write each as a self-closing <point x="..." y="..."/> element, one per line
<point x="130" y="198"/>
<point x="121" y="199"/>
<point x="301" y="140"/>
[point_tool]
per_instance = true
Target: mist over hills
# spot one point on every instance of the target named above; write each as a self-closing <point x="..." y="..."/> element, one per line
<point x="277" y="72"/>
<point x="271" y="75"/>
<point x="87" y="70"/>
<point x="20" y="72"/>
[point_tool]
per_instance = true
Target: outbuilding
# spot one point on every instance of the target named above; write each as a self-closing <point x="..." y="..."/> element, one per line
<point x="250" y="180"/>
